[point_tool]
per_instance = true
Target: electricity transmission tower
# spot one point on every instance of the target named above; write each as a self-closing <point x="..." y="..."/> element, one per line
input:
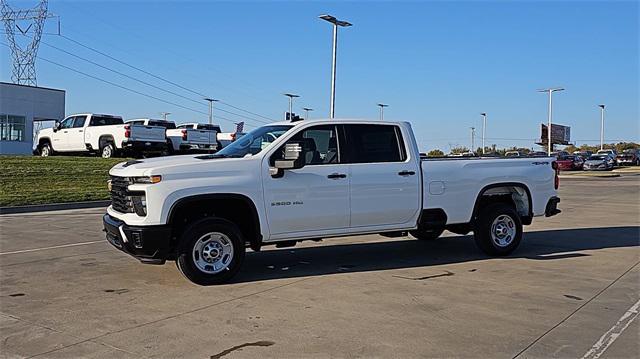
<point x="29" y="22"/>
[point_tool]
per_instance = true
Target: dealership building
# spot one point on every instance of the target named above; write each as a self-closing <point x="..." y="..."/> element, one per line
<point x="23" y="108"/>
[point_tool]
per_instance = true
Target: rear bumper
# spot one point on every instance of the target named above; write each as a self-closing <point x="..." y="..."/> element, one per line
<point x="147" y="244"/>
<point x="143" y="146"/>
<point x="552" y="207"/>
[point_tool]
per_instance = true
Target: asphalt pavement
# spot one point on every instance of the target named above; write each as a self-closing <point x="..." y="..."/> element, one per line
<point x="571" y="290"/>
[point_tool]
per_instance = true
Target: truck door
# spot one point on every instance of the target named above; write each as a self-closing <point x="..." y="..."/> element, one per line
<point x="75" y="137"/>
<point x="314" y="197"/>
<point x="61" y="136"/>
<point x="385" y="182"/>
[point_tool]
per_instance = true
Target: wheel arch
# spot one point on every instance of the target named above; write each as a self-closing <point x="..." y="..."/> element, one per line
<point x="502" y="191"/>
<point x="230" y="206"/>
<point x="104" y="139"/>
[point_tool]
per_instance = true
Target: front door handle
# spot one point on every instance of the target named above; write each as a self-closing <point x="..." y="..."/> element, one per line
<point x="337" y="176"/>
<point x="406" y="173"/>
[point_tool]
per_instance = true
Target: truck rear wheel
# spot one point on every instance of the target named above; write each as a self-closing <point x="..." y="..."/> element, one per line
<point x="211" y="251"/>
<point x="107" y="150"/>
<point x="427" y="234"/>
<point x="498" y="229"/>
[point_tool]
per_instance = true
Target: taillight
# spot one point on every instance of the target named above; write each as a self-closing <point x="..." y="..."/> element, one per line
<point x="233" y="137"/>
<point x="184" y="135"/>
<point x="127" y="131"/>
<point x="556" y="180"/>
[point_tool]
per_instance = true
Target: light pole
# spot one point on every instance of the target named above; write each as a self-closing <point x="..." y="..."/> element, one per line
<point x="601" y="126"/>
<point x="164" y="115"/>
<point x="335" y="23"/>
<point x="306" y="112"/>
<point x="473" y="138"/>
<point x="382" y="106"/>
<point x="291" y="97"/>
<point x="484" y="129"/>
<point x="211" y="101"/>
<point x="550" y="91"/>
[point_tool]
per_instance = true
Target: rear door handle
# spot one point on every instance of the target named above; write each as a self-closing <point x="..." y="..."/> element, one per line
<point x="406" y="173"/>
<point x="337" y="176"/>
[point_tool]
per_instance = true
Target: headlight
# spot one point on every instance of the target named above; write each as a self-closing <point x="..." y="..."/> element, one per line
<point x="139" y="205"/>
<point x="146" y="180"/>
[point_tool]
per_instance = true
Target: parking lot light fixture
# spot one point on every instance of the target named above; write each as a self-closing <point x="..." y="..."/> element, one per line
<point x="164" y="115"/>
<point x="335" y="23"/>
<point x="473" y="138"/>
<point x="382" y="106"/>
<point x="291" y="97"/>
<point x="484" y="129"/>
<point x="550" y="91"/>
<point x="601" y="126"/>
<point x="306" y="112"/>
<point x="211" y="101"/>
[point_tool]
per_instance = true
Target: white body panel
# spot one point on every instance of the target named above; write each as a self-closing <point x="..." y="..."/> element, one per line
<point x="371" y="198"/>
<point x="196" y="137"/>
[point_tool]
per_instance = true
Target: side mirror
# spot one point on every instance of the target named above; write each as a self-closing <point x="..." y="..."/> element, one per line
<point x="291" y="160"/>
<point x="56" y="126"/>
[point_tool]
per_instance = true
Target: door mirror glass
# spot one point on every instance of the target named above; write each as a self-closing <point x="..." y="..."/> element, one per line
<point x="291" y="157"/>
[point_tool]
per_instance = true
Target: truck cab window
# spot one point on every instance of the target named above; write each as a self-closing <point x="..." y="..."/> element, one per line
<point x="374" y="143"/>
<point x="79" y="121"/>
<point x="319" y="145"/>
<point x="68" y="123"/>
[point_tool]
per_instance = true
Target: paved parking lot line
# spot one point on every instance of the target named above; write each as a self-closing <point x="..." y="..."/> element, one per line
<point x="52" y="247"/>
<point x="612" y="334"/>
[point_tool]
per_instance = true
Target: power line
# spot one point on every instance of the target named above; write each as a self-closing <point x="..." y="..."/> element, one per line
<point x="158" y="77"/>
<point x="144" y="82"/>
<point x="125" y="88"/>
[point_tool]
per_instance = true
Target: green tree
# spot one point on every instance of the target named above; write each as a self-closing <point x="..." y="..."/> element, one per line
<point x="435" y="153"/>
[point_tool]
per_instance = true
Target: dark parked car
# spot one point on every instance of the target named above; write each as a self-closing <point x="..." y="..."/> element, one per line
<point x="599" y="162"/>
<point x="630" y="157"/>
<point x="570" y="163"/>
<point x="583" y="154"/>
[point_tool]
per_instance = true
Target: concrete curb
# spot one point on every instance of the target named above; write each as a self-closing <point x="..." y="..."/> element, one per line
<point x="54" y="207"/>
<point x="613" y="175"/>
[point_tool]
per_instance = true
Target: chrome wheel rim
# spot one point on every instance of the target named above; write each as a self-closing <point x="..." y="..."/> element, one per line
<point x="45" y="151"/>
<point x="503" y="230"/>
<point x="212" y="253"/>
<point x="106" y="152"/>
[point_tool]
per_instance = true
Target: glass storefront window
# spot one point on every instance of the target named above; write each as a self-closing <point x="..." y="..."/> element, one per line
<point x="12" y="128"/>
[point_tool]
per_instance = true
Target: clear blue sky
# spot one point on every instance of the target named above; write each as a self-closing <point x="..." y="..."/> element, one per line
<point x="438" y="64"/>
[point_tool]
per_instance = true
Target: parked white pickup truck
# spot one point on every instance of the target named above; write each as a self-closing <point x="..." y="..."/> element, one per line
<point x="188" y="137"/>
<point x="288" y="182"/>
<point x="103" y="134"/>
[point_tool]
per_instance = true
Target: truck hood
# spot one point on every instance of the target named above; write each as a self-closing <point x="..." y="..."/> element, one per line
<point x="168" y="165"/>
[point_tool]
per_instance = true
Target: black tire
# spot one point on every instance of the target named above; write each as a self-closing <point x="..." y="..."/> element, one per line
<point x="193" y="237"/>
<point x="46" y="150"/>
<point x="485" y="236"/>
<point x="427" y="234"/>
<point x="107" y="150"/>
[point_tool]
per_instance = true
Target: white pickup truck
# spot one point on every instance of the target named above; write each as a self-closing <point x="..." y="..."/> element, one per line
<point x="193" y="137"/>
<point x="103" y="134"/>
<point x="288" y="182"/>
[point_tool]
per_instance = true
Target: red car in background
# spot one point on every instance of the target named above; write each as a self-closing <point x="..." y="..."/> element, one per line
<point x="570" y="163"/>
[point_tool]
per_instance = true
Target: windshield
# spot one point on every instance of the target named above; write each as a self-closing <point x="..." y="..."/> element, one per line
<point x="254" y="141"/>
<point x="597" y="157"/>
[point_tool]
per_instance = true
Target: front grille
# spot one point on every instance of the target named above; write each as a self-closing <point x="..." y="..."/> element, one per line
<point x="120" y="198"/>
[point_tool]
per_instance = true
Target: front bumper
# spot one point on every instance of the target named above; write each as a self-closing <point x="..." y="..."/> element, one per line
<point x="148" y="244"/>
<point x="552" y="207"/>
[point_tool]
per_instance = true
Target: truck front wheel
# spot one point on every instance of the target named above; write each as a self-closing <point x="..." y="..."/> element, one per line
<point x="211" y="251"/>
<point x="45" y="150"/>
<point x="498" y="229"/>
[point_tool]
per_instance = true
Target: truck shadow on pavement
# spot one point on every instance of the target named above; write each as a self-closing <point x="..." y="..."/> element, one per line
<point x="335" y="258"/>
